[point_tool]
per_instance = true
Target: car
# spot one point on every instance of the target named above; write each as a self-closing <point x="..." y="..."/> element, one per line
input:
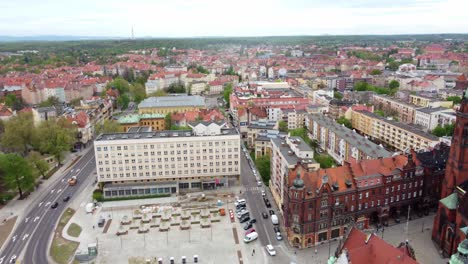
<point x="397" y="220"/>
<point x="278" y="236"/>
<point x="271" y="250"/>
<point x="259" y="183"/>
<point x="13" y="259"/>
<point x="247" y="226"/>
<point x="276" y="228"/>
<point x="240" y="209"/>
<point x="250" y="237"/>
<point x="265" y="215"/>
<point x="243" y="220"/>
<point x="268" y="205"/>
<point x="54" y="205"/>
<point x="272" y="212"/>
<point x="240" y="202"/>
<point x="66" y="198"/>
<point x="231" y="214"/>
<point x="265" y="199"/>
<point x="263" y="193"/>
<point x="253" y="220"/>
<point x="241" y="213"/>
<point x="250" y="231"/>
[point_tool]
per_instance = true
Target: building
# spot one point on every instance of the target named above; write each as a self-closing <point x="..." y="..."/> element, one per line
<point x="341" y="142"/>
<point x="43" y="114"/>
<point x="360" y="247"/>
<point x="159" y="81"/>
<point x="257" y="128"/>
<point x="155" y="121"/>
<point x="286" y="154"/>
<point x="263" y="142"/>
<point x="198" y="87"/>
<point x="395" y="134"/>
<point x="170" y="104"/>
<point x="319" y="204"/>
<point x="144" y="162"/>
<point x="294" y="118"/>
<point x="404" y="111"/>
<point x="450" y="224"/>
<point x="430" y="117"/>
<point x="425" y="101"/>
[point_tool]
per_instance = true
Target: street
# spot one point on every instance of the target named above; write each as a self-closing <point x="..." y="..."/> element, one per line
<point x="33" y="233"/>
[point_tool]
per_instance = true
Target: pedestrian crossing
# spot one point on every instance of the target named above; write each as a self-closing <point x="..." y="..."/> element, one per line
<point x="253" y="189"/>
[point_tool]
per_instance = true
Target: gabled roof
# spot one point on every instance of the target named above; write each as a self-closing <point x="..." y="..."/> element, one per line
<point x="450" y="201"/>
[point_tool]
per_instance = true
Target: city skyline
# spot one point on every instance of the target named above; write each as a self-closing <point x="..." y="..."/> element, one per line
<point x="209" y="18"/>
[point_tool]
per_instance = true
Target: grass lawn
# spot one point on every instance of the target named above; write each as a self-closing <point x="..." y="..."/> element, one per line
<point x="74" y="230"/>
<point x="62" y="250"/>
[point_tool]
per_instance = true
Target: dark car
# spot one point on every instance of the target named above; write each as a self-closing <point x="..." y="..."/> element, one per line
<point x="247" y="226"/>
<point x="66" y="198"/>
<point x="265" y="199"/>
<point x="245" y="219"/>
<point x="397" y="220"/>
<point x="54" y="205"/>
<point x="265" y="215"/>
<point x="268" y="205"/>
<point x="276" y="228"/>
<point x="272" y="212"/>
<point x="253" y="220"/>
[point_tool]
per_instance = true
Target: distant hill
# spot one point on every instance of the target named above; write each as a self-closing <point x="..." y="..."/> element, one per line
<point x="53" y="38"/>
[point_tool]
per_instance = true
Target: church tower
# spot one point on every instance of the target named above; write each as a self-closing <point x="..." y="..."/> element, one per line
<point x="456" y="170"/>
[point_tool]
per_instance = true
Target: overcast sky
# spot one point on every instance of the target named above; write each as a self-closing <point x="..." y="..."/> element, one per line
<point x="191" y="18"/>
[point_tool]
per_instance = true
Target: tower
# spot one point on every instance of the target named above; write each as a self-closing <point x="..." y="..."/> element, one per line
<point x="456" y="170"/>
<point x="133" y="36"/>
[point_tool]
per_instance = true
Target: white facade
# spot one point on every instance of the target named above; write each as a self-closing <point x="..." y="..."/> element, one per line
<point x="429" y="118"/>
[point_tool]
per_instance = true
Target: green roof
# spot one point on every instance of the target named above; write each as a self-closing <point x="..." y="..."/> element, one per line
<point x="460" y="256"/>
<point x="135" y="118"/>
<point x="464" y="230"/>
<point x="450" y="201"/>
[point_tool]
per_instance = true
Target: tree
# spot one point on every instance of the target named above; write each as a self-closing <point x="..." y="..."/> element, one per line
<point x="361" y="86"/>
<point x="263" y="166"/>
<point x="123" y="101"/>
<point x="454" y="99"/>
<point x="344" y="121"/>
<point x="438" y="131"/>
<point x="393" y="84"/>
<point x="176" y="88"/>
<point x="325" y="161"/>
<point x="375" y="72"/>
<point x="283" y="126"/>
<point x="138" y="92"/>
<point x="168" y="121"/>
<point x="201" y="69"/>
<point x="120" y="84"/>
<point x="17" y="173"/>
<point x="300" y="132"/>
<point x="393" y="65"/>
<point x="19" y="134"/>
<point x="10" y="100"/>
<point x="380" y="113"/>
<point x="158" y="93"/>
<point x="108" y="126"/>
<point x="227" y="93"/>
<point x="337" y="95"/>
<point x="38" y="163"/>
<point x="51" y="101"/>
<point x="56" y="138"/>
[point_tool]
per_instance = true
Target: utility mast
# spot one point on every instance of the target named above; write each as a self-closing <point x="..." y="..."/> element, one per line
<point x="133" y="36"/>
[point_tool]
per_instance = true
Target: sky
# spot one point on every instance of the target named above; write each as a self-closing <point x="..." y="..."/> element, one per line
<point x="197" y="18"/>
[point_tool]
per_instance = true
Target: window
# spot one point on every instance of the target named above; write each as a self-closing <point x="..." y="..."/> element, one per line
<point x="324" y="203"/>
<point x="367" y="194"/>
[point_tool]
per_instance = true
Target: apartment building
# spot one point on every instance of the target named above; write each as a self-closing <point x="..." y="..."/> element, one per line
<point x="294" y="118"/>
<point x="430" y="117"/>
<point x="170" y="104"/>
<point x="404" y="111"/>
<point x="155" y="121"/>
<point x="425" y="101"/>
<point x="397" y="135"/>
<point x="341" y="142"/>
<point x="159" y="81"/>
<point x="263" y="141"/>
<point x="287" y="152"/>
<point x="144" y="162"/>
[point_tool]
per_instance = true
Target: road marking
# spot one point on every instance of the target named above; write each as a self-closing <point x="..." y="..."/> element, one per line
<point x="59" y="190"/>
<point x="40" y="204"/>
<point x="25" y="236"/>
<point x="14" y="238"/>
<point x="63" y="180"/>
<point x="53" y="190"/>
<point x="1" y="259"/>
<point x="26" y="220"/>
<point x="36" y="218"/>
<point x="47" y="204"/>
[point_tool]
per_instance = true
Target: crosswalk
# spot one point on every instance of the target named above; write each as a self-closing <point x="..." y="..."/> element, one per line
<point x="253" y="189"/>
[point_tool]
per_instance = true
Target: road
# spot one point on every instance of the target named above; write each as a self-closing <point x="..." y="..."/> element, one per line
<point x="33" y="233"/>
<point x="255" y="205"/>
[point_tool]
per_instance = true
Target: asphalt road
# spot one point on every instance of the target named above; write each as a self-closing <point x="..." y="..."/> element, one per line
<point x="255" y="205"/>
<point x="33" y="234"/>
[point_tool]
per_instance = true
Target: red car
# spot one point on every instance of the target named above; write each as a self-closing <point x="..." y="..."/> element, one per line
<point x="250" y="231"/>
<point x="231" y="214"/>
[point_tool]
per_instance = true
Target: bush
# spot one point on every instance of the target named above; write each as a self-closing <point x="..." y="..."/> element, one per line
<point x="98" y="196"/>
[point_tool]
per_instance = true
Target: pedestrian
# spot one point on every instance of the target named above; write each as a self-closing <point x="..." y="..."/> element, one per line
<point x="254" y="251"/>
<point x="294" y="252"/>
<point x="93" y="226"/>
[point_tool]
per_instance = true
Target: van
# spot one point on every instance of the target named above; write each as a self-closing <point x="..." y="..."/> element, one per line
<point x="250" y="237"/>
<point x="101" y="222"/>
<point x="242" y="213"/>
<point x="274" y="219"/>
<point x="240" y="202"/>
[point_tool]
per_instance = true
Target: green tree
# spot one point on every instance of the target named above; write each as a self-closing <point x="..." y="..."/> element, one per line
<point x="158" y="93"/>
<point x="56" y="137"/>
<point x="438" y="131"/>
<point x="263" y="166"/>
<point x="19" y="134"/>
<point x="201" y="69"/>
<point x="393" y="84"/>
<point x="123" y="101"/>
<point x="361" y="86"/>
<point x="393" y="65"/>
<point x="337" y="95"/>
<point x="325" y="161"/>
<point x="120" y="84"/>
<point x="380" y="113"/>
<point x="108" y="126"/>
<point x="168" y="121"/>
<point x="375" y="72"/>
<point x="454" y="99"/>
<point x="344" y="121"/>
<point x="227" y="93"/>
<point x="138" y="92"/>
<point x="38" y="163"/>
<point x="17" y="173"/>
<point x="51" y="101"/>
<point x="283" y="126"/>
<point x="300" y="132"/>
<point x="10" y="100"/>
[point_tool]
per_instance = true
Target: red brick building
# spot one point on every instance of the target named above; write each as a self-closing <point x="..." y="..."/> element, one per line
<point x="319" y="204"/>
<point x="450" y="224"/>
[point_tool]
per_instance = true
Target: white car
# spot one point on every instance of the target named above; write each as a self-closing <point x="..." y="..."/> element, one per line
<point x="278" y="236"/>
<point x="271" y="250"/>
<point x="263" y="193"/>
<point x="259" y="183"/>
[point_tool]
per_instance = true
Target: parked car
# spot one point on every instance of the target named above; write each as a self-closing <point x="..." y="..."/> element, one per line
<point x="259" y="183"/>
<point x="263" y="193"/>
<point x="247" y="226"/>
<point x="271" y="250"/>
<point x="278" y="236"/>
<point x="268" y="205"/>
<point x="274" y="219"/>
<point x="250" y="237"/>
<point x="272" y="212"/>
<point x="250" y="231"/>
<point x="101" y="222"/>
<point x="253" y="220"/>
<point x="245" y="219"/>
<point x="240" y="209"/>
<point x="240" y="201"/>
<point x="265" y="215"/>
<point x="54" y="205"/>
<point x="276" y="228"/>
<point x="242" y="213"/>
<point x="66" y="198"/>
